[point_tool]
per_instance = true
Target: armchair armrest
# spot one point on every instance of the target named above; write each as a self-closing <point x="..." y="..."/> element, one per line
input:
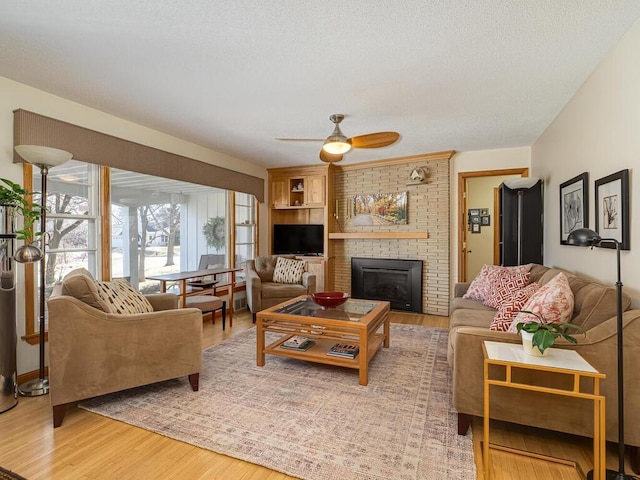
<point x="309" y="281"/>
<point x="253" y="286"/>
<point x="163" y="301"/>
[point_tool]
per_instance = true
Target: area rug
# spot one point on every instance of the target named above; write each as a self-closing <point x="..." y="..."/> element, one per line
<point x="312" y="421"/>
<point x="9" y="475"/>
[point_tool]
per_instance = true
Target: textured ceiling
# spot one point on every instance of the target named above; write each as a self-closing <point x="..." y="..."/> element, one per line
<point x="234" y="75"/>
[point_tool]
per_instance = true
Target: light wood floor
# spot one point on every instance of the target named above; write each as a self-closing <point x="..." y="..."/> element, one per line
<point x="89" y="446"/>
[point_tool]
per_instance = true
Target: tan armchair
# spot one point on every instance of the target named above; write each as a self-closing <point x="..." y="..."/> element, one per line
<point x="93" y="352"/>
<point x="263" y="292"/>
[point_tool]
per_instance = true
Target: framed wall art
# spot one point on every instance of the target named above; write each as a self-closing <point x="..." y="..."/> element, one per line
<point x="574" y="205"/>
<point x="380" y="209"/>
<point x="485" y="220"/>
<point x="612" y="209"/>
<point x="475" y="227"/>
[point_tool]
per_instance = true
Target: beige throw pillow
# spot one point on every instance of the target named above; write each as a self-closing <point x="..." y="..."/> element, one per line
<point x="79" y="283"/>
<point x="123" y="298"/>
<point x="288" y="270"/>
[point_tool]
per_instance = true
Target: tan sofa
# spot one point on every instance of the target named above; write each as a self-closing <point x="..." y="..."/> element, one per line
<point x="92" y="352"/>
<point x="263" y="292"/>
<point x="595" y="310"/>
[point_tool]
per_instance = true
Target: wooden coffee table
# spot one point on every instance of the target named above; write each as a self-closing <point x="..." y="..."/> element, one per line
<point x="357" y="322"/>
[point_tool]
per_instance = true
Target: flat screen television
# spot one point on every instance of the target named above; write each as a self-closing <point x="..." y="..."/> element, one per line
<point x="307" y="239"/>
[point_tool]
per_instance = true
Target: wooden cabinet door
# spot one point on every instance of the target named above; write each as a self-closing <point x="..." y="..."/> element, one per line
<point x="314" y="191"/>
<point x="280" y="192"/>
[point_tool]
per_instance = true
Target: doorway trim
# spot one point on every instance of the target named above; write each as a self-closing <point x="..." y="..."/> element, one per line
<point x="462" y="208"/>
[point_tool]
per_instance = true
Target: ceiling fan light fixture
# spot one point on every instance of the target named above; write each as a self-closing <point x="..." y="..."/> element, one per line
<point x="336" y="143"/>
<point x="336" y="146"/>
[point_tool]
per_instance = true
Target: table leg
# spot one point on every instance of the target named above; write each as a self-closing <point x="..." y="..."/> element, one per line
<point x="599" y="434"/>
<point x="259" y="342"/>
<point x="183" y="292"/>
<point x="485" y="446"/>
<point x="387" y="330"/>
<point x="231" y="289"/>
<point x="363" y="355"/>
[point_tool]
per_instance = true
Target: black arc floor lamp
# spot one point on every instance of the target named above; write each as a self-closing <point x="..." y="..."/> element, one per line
<point x="586" y="237"/>
<point x="45" y="158"/>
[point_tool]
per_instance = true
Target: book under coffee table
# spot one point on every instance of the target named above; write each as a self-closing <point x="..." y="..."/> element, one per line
<point x="362" y="323"/>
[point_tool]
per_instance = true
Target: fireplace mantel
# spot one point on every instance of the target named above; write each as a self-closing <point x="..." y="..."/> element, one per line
<point x="376" y="235"/>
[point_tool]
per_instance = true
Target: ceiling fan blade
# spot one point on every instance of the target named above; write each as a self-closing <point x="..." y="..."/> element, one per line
<point x="300" y="139"/>
<point x="374" y="140"/>
<point x="329" y="157"/>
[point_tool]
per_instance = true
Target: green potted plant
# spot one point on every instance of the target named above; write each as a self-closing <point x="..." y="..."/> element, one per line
<point x="538" y="336"/>
<point x="19" y="201"/>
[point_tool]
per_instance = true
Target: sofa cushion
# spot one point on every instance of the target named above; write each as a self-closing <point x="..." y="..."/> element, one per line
<point x="481" y="285"/>
<point x="123" y="298"/>
<point x="503" y="286"/>
<point x="553" y="302"/>
<point x="511" y="306"/>
<point x="468" y="304"/>
<point x="79" y="283"/>
<point x="594" y="303"/>
<point x="288" y="270"/>
<point x="282" y="290"/>
<point x="471" y="318"/>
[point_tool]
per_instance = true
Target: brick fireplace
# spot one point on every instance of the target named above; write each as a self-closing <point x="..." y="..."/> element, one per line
<point x="427" y="211"/>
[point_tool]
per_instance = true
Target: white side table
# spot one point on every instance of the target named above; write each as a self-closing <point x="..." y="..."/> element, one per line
<point x="559" y="361"/>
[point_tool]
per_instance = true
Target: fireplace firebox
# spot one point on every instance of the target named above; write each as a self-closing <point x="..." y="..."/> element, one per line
<point x="394" y="280"/>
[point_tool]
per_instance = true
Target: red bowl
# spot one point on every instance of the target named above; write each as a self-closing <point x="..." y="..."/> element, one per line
<point x="329" y="299"/>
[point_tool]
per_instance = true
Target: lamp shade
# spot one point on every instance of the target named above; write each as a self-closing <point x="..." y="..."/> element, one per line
<point x="336" y="147"/>
<point x="28" y="254"/>
<point x="521" y="183"/>
<point x="336" y="143"/>
<point x="43" y="156"/>
<point x="584" y="237"/>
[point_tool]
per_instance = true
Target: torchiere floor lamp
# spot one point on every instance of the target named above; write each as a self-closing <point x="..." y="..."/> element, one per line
<point x="586" y="237"/>
<point x="45" y="158"/>
<point x="520" y="185"/>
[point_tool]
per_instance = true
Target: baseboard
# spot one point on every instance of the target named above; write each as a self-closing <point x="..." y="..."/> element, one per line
<point x="27" y="376"/>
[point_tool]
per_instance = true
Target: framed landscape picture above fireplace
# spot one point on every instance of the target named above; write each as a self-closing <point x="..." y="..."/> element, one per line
<point x="380" y="209"/>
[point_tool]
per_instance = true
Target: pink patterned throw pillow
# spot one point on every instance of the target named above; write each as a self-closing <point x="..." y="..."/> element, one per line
<point x="510" y="307"/>
<point x="504" y="286"/>
<point x="480" y="286"/>
<point x="553" y="302"/>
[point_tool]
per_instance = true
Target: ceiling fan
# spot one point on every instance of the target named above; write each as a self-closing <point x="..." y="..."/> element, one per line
<point x="337" y="144"/>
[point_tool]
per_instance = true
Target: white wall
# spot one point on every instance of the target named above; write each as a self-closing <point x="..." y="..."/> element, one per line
<point x="598" y="131"/>
<point x="475" y="161"/>
<point x="14" y="95"/>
